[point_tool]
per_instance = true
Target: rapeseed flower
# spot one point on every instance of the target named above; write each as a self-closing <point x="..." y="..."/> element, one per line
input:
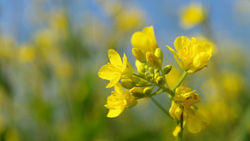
<point x="182" y="105"/>
<point x="116" y="69"/>
<point x="193" y="54"/>
<point x="118" y="101"/>
<point x="144" y="40"/>
<point x="192" y="15"/>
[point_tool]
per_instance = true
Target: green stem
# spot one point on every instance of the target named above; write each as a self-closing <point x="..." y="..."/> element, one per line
<point x="181" y="124"/>
<point x="160" y="107"/>
<point x="184" y="74"/>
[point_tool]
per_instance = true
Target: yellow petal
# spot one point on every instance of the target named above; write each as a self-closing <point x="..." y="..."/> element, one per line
<point x="172" y="109"/>
<point x="107" y="72"/>
<point x="114" y="80"/>
<point x="172" y="51"/>
<point x="118" y="88"/>
<point x="114" y="58"/>
<point x="141" y="41"/>
<point x="180" y="42"/>
<point x="194" y="123"/>
<point x="114" y="112"/>
<point x="124" y="65"/>
<point x="150" y="32"/>
<point x="177" y="130"/>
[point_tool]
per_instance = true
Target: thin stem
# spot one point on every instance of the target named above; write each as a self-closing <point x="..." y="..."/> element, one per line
<point x="160" y="107"/>
<point x="184" y="74"/>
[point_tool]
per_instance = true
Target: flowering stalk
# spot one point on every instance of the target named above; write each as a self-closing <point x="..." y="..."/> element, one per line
<point x="191" y="55"/>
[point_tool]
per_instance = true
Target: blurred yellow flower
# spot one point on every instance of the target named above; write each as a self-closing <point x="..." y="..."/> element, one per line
<point x="26" y="54"/>
<point x="192" y="15"/>
<point x="116" y="69"/>
<point x="118" y="101"/>
<point x="144" y="40"/>
<point x="193" y="54"/>
<point x="182" y="103"/>
<point x="129" y="19"/>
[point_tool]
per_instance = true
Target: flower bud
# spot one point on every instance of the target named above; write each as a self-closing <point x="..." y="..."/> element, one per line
<point x="160" y="80"/>
<point x="127" y="83"/>
<point x="156" y="75"/>
<point x="147" y="90"/>
<point x="167" y="69"/>
<point x="159" y="54"/>
<point x="151" y="70"/>
<point x="135" y="79"/>
<point x="153" y="60"/>
<point x="139" y="55"/>
<point x="140" y="66"/>
<point x="137" y="91"/>
<point x="142" y="83"/>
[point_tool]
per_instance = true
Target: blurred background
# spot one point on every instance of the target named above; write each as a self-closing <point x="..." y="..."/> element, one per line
<point x="51" y="51"/>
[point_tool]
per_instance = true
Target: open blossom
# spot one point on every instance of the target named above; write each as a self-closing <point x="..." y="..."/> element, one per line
<point x="118" y="101"/>
<point x="144" y="40"/>
<point x="182" y="103"/>
<point x="192" y="15"/>
<point x="192" y="55"/>
<point x="116" y="69"/>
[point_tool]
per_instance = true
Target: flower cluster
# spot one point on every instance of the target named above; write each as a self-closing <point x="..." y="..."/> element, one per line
<point x="192" y="55"/>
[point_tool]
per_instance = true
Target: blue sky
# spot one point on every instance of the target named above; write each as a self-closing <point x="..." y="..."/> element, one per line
<point x="162" y="14"/>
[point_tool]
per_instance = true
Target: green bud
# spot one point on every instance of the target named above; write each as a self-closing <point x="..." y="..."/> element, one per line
<point x="160" y="80"/>
<point x="139" y="55"/>
<point x="142" y="83"/>
<point x="157" y="71"/>
<point x="146" y="66"/>
<point x="146" y="73"/>
<point x="156" y="75"/>
<point x="159" y="54"/>
<point x="153" y="60"/>
<point x="140" y="66"/>
<point x="151" y="70"/>
<point x="127" y="83"/>
<point x="135" y="79"/>
<point x="132" y="104"/>
<point x="167" y="69"/>
<point x="148" y="77"/>
<point x="137" y="92"/>
<point x="147" y="90"/>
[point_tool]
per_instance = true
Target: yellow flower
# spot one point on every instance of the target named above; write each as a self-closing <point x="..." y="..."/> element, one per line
<point x="192" y="15"/>
<point x="182" y="103"/>
<point x="26" y="53"/>
<point x="193" y="54"/>
<point x="116" y="69"/>
<point x="118" y="101"/>
<point x="144" y="40"/>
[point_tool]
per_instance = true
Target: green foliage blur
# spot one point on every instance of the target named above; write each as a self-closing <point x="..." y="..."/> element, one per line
<point x="50" y="91"/>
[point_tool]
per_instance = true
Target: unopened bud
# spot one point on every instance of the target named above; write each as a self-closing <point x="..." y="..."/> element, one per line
<point x="137" y="91"/>
<point x="159" y="54"/>
<point x="147" y="90"/>
<point x="139" y="55"/>
<point x="142" y="83"/>
<point x="160" y="80"/>
<point x="151" y="70"/>
<point x="135" y="79"/>
<point x="140" y="66"/>
<point x="167" y="69"/>
<point x="153" y="60"/>
<point x="156" y="75"/>
<point x="127" y="83"/>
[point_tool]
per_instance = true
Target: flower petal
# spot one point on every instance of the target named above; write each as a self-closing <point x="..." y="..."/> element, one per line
<point x="114" y="80"/>
<point x="107" y="71"/>
<point x="118" y="88"/>
<point x="115" y="112"/>
<point x="114" y="58"/>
